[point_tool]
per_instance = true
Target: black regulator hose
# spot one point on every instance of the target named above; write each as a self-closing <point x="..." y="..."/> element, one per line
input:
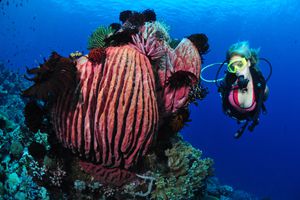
<point x="270" y="66"/>
<point x="217" y="74"/>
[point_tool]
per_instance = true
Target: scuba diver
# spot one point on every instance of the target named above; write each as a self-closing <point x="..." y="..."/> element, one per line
<point x="243" y="89"/>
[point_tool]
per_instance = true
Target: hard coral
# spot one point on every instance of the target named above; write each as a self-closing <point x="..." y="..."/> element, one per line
<point x="10" y="103"/>
<point x="57" y="176"/>
<point x="20" y="173"/>
<point x="6" y="124"/>
<point x="16" y="149"/>
<point x="186" y="175"/>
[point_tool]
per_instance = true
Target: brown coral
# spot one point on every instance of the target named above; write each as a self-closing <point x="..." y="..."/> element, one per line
<point x="186" y="175"/>
<point x="179" y="119"/>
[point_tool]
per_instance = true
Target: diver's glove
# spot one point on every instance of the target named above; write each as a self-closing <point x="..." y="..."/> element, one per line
<point x="241" y="130"/>
<point x="222" y="87"/>
<point x="253" y="125"/>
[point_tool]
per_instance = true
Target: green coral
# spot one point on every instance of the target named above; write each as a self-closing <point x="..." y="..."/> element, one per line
<point x="18" y="169"/>
<point x="49" y="162"/>
<point x="6" y="124"/>
<point x="96" y="39"/>
<point x="16" y="149"/>
<point x="186" y="175"/>
<point x="1" y="189"/>
<point x="12" y="182"/>
<point x="42" y="138"/>
<point x="20" y="185"/>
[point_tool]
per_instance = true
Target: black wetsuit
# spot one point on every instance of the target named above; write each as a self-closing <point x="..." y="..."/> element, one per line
<point x="259" y="84"/>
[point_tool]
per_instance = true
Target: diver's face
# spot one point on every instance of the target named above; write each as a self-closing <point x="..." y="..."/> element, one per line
<point x="240" y="65"/>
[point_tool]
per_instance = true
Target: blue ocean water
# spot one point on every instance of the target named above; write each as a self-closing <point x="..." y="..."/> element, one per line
<point x="265" y="162"/>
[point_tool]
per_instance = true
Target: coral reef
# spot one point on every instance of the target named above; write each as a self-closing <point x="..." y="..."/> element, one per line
<point x="24" y="176"/>
<point x="173" y="171"/>
<point x="105" y="126"/>
<point x="109" y="108"/>
<point x="19" y="171"/>
<point x="114" y="120"/>
<point x="186" y="173"/>
<point x="11" y="83"/>
<point x="5" y="123"/>
<point x="217" y="191"/>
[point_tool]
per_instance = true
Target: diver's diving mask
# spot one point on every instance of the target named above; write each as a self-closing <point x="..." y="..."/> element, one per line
<point x="237" y="65"/>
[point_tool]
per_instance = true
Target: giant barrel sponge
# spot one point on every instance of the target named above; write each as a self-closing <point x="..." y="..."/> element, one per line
<point x="114" y="122"/>
<point x="108" y="107"/>
<point x="111" y="115"/>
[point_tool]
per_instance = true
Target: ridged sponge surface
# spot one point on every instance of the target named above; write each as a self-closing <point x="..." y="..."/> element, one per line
<point x="112" y="116"/>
